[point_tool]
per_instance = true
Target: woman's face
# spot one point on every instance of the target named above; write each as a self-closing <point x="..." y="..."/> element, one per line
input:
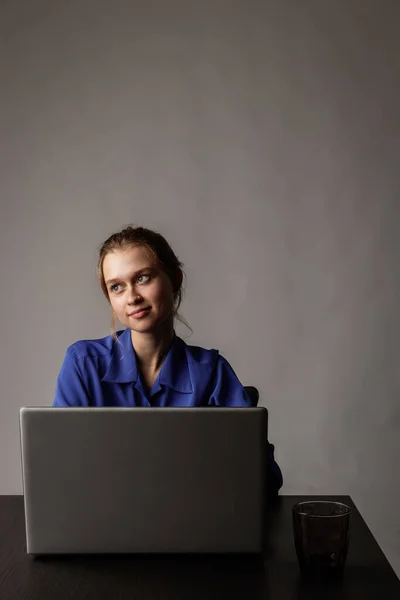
<point x="140" y="292"/>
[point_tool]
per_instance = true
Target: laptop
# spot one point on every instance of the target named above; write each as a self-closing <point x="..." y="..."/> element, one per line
<point x="144" y="480"/>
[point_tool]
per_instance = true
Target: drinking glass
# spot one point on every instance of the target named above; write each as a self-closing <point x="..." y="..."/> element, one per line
<point x="321" y="535"/>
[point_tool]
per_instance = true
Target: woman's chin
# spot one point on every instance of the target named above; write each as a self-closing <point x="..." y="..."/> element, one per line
<point x="156" y="326"/>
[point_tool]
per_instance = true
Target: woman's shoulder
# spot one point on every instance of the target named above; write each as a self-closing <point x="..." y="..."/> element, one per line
<point x="93" y="347"/>
<point x="199" y="354"/>
<point x="207" y="360"/>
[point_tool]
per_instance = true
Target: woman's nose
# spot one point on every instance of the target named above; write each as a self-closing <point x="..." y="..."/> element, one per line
<point x="134" y="297"/>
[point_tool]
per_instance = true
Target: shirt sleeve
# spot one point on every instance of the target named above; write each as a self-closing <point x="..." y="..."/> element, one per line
<point x="70" y="387"/>
<point x="226" y="387"/>
<point x="228" y="391"/>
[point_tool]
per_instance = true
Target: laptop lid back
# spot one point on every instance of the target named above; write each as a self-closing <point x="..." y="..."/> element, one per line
<point x="105" y="480"/>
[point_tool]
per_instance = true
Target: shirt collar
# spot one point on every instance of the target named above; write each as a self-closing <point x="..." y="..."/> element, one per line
<point x="175" y="371"/>
<point x="123" y="365"/>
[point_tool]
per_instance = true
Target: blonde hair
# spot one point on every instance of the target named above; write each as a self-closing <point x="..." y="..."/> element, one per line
<point x="158" y="249"/>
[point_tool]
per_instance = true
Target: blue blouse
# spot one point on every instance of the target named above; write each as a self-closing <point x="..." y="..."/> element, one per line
<point x="104" y="372"/>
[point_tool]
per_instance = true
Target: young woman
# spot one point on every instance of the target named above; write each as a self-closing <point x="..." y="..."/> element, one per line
<point x="147" y="364"/>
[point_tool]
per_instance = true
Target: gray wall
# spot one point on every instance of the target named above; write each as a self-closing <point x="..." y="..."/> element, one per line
<point x="262" y="139"/>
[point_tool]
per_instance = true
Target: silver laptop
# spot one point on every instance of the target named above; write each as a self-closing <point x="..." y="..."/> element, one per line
<point x="144" y="480"/>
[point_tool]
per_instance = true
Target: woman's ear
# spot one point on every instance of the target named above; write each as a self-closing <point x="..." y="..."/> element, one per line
<point x="176" y="279"/>
<point x="179" y="279"/>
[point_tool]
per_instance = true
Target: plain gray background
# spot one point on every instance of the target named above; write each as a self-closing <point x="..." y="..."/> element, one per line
<point x="262" y="139"/>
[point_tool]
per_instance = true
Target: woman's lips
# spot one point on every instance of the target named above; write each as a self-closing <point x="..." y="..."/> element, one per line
<point x="138" y="314"/>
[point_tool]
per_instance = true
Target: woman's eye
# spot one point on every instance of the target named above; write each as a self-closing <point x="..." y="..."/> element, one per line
<point x="115" y="287"/>
<point x="143" y="278"/>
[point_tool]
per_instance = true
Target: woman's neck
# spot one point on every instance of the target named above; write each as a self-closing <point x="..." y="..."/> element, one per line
<point x="152" y="348"/>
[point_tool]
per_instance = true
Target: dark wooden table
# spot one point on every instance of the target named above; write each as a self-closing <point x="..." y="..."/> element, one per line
<point x="368" y="574"/>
